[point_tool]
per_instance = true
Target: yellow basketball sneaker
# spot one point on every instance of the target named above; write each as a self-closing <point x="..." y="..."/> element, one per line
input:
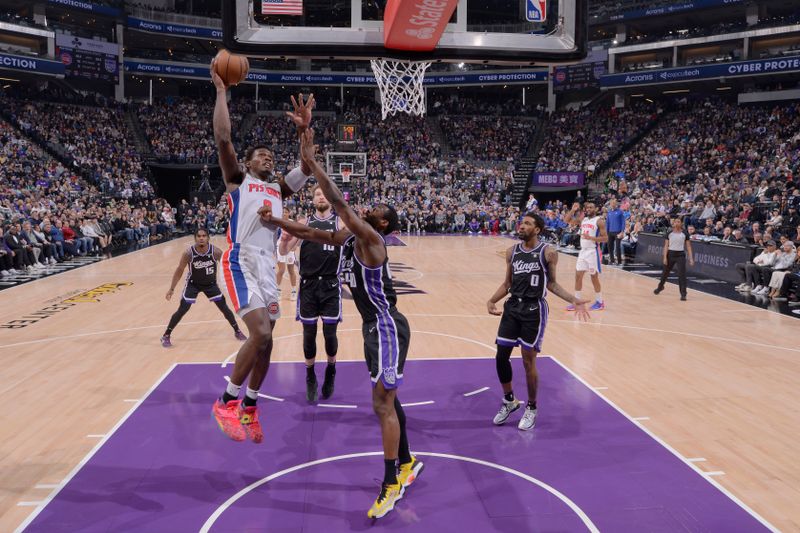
<point x="248" y="416"/>
<point x="389" y="495"/>
<point x="408" y="473"/>
<point x="227" y="417"/>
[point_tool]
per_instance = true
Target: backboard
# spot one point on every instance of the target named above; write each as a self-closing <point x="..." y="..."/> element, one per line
<point x="355" y="162"/>
<point x="511" y="32"/>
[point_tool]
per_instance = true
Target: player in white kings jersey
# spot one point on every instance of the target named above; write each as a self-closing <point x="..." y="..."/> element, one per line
<point x="593" y="234"/>
<point x="248" y="266"/>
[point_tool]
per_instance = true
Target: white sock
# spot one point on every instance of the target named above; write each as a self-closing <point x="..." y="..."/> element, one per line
<point x="598" y="296"/>
<point x="233" y="390"/>
<point x="252" y="394"/>
<point x="577" y="295"/>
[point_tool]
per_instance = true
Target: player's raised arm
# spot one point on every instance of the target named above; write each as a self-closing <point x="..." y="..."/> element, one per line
<point x="551" y="258"/>
<point x="301" y="116"/>
<point x="231" y="170"/>
<point x="176" y="276"/>
<point x="504" y="287"/>
<point x="354" y="223"/>
<point x="572" y="215"/>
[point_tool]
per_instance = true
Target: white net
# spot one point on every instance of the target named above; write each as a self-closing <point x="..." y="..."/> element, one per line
<point x="400" y="84"/>
<point x="346" y="170"/>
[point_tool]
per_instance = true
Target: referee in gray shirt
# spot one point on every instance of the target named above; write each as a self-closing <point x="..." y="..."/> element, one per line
<point x="676" y="246"/>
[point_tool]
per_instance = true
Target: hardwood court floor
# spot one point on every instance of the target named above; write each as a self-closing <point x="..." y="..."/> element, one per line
<point x="714" y="379"/>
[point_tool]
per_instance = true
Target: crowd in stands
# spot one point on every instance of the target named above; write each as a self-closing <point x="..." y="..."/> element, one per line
<point x="729" y="172"/>
<point x="276" y="132"/>
<point x="50" y="212"/>
<point x="399" y="143"/>
<point x="179" y="130"/>
<point x="446" y="102"/>
<point x="94" y="138"/>
<point x="583" y="139"/>
<point x="467" y="191"/>
<point x="442" y="197"/>
<point x="487" y="138"/>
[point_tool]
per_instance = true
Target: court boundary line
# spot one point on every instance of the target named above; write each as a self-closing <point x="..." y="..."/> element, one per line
<point x="672" y="450"/>
<point x="211" y="520"/>
<point x="72" y="473"/>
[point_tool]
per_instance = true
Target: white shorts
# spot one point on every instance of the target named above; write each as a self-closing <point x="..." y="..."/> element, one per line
<point x="289" y="258"/>
<point x="589" y="260"/>
<point x="249" y="274"/>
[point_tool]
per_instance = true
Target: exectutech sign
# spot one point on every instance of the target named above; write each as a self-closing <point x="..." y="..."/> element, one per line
<point x="758" y="67"/>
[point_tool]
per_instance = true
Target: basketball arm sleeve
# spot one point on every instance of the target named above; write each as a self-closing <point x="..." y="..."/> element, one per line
<point x="295" y="179"/>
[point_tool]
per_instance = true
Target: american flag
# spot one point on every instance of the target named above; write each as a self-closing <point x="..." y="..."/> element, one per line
<point x="281" y="7"/>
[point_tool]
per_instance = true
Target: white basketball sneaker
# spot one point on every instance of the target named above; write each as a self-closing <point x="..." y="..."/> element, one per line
<point x="528" y="419"/>
<point x="505" y="411"/>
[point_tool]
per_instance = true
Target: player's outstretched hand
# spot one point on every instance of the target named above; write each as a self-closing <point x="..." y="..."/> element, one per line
<point x="265" y="212"/>
<point x="301" y="116"/>
<point x="576" y="206"/>
<point x="308" y="150"/>
<point x="218" y="83"/>
<point x="580" y="310"/>
<point x="492" y="308"/>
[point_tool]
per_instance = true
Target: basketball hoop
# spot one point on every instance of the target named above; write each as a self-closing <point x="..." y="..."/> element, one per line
<point x="400" y="85"/>
<point x="346" y="175"/>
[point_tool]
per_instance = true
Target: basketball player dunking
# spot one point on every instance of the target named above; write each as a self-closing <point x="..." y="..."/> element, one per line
<point x="593" y="233"/>
<point x="249" y="263"/>
<point x="364" y="267"/>
<point x="202" y="260"/>
<point x="530" y="273"/>
<point x="320" y="294"/>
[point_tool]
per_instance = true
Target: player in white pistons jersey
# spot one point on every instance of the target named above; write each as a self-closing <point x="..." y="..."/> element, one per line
<point x="248" y="266"/>
<point x="593" y="234"/>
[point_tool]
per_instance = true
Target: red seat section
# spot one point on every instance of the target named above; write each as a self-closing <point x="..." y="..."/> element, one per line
<point x="416" y="24"/>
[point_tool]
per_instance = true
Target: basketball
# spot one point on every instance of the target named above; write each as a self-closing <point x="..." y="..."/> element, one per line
<point x="232" y="68"/>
